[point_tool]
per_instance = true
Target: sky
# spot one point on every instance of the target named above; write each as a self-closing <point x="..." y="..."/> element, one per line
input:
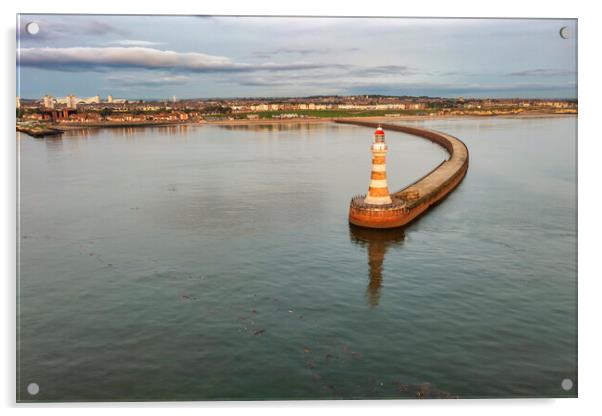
<point x="219" y="57"/>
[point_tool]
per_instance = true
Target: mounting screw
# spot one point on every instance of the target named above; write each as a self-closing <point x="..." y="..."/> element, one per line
<point x="33" y="389"/>
<point x="566" y="384"/>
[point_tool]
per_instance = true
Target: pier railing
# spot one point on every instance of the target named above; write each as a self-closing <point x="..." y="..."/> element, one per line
<point x="359" y="201"/>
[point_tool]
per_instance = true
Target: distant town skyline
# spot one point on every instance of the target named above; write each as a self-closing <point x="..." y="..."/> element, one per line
<point x="174" y="98"/>
<point x="228" y="57"/>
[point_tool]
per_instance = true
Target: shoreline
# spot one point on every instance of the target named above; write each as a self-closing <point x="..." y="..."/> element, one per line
<point x="247" y="122"/>
<point x="383" y="119"/>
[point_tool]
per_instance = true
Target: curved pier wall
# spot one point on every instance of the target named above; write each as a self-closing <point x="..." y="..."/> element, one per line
<point x="422" y="194"/>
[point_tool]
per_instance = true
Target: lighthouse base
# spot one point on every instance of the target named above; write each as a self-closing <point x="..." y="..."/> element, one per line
<point x="408" y="204"/>
<point x="368" y="215"/>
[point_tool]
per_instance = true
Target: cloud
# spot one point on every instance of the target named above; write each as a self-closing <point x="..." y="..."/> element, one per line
<point x="153" y="81"/>
<point x="453" y="73"/>
<point x="466" y="89"/>
<point x="364" y="85"/>
<point x="542" y="72"/>
<point x="301" y="51"/>
<point x="385" y="70"/>
<point x="95" y="59"/>
<point x="132" y="42"/>
<point x="288" y="51"/>
<point x="334" y="75"/>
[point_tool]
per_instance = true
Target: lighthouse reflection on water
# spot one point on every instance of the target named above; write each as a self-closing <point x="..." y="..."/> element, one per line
<point x="377" y="242"/>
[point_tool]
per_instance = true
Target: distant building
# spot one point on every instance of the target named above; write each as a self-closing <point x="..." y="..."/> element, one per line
<point x="173" y="99"/>
<point x="71" y="101"/>
<point x="48" y="101"/>
<point x="57" y="115"/>
<point x="89" y="100"/>
<point x="18" y="102"/>
<point x="260" y="107"/>
<point x="109" y="99"/>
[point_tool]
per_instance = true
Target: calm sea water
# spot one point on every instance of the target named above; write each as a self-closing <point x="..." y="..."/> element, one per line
<point x="216" y="262"/>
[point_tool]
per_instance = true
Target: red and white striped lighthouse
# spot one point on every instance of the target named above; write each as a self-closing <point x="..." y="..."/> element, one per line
<point x="378" y="192"/>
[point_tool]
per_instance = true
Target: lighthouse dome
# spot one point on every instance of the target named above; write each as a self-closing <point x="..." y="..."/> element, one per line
<point x="379" y="135"/>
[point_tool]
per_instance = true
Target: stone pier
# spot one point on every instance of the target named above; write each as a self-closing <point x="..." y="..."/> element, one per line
<point x="414" y="200"/>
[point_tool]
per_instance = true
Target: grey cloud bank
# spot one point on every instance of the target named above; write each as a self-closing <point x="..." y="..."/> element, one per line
<point x="233" y="56"/>
<point x="542" y="72"/>
<point x="133" y="42"/>
<point x="140" y="57"/>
